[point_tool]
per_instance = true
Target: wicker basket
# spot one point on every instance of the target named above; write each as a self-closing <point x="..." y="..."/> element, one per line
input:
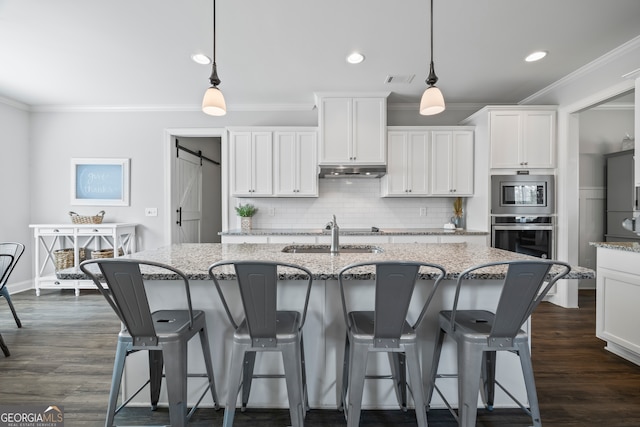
<point x="64" y="258"/>
<point x="105" y="253"/>
<point x="82" y="219"/>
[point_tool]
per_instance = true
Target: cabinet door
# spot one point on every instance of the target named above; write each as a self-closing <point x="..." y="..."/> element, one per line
<point x="418" y="159"/>
<point x="506" y="139"/>
<point x="462" y="163"/>
<point x="395" y="180"/>
<point x="369" y="131"/>
<point x="295" y="160"/>
<point x="286" y="165"/>
<point x="262" y="162"/>
<point x="538" y="149"/>
<point x="441" y="158"/>
<point x="407" y="164"/>
<point x="241" y="163"/>
<point x="251" y="161"/>
<point x="335" y="130"/>
<point x="307" y="164"/>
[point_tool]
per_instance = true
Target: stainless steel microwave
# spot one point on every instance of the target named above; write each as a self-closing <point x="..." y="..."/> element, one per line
<point x="522" y="194"/>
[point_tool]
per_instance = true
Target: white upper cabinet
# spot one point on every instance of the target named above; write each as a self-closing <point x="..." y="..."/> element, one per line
<point x="407" y="164"/>
<point x="522" y="139"/>
<point x="295" y="164"/>
<point x="452" y="163"/>
<point x="352" y="129"/>
<point x="251" y="169"/>
<point x="429" y="161"/>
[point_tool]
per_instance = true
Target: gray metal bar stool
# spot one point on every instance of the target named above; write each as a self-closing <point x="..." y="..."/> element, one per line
<point x="5" y="261"/>
<point x="164" y="333"/>
<point x="479" y="334"/>
<point x="6" y="267"/>
<point x="264" y="328"/>
<point x="386" y="329"/>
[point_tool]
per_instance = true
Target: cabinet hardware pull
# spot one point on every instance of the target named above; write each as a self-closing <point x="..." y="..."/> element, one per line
<point x="179" y="212"/>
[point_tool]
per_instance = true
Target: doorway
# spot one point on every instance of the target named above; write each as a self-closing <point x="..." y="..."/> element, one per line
<point x="195" y="183"/>
<point x="198" y="197"/>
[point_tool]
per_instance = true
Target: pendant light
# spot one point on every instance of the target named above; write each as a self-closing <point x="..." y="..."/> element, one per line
<point x="432" y="101"/>
<point x="213" y="101"/>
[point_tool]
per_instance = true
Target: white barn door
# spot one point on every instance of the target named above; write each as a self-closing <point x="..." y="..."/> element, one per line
<point x="189" y="191"/>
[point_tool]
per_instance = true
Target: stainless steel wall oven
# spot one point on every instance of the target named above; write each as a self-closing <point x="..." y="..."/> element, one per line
<point x="530" y="235"/>
<point x="523" y="214"/>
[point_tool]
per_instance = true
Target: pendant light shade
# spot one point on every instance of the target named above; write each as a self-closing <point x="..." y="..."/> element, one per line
<point x="432" y="101"/>
<point x="213" y="101"/>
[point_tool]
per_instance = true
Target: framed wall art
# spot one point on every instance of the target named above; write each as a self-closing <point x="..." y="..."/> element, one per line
<point x="100" y="182"/>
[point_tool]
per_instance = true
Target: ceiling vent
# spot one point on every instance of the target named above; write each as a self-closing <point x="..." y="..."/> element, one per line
<point x="399" y="78"/>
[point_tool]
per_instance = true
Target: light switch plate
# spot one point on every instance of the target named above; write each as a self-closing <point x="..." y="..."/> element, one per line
<point x="150" y="211"/>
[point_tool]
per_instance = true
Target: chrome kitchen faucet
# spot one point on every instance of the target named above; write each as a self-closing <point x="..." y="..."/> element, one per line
<point x="335" y="235"/>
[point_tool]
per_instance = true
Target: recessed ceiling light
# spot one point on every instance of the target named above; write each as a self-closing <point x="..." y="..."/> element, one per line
<point x="355" y="58"/>
<point x="536" y="56"/>
<point x="201" y="59"/>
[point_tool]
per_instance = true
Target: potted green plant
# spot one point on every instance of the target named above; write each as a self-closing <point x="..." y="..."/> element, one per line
<point x="245" y="212"/>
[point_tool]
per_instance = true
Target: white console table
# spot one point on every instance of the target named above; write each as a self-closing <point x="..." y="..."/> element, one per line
<point x="51" y="237"/>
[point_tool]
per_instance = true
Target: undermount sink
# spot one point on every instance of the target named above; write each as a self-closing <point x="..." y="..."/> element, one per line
<point x="325" y="249"/>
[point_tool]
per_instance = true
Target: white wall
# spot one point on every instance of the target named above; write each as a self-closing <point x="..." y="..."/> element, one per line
<point x="14" y="189"/>
<point x="601" y="132"/>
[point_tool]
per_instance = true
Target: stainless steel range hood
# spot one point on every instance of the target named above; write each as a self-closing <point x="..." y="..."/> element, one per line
<point x="352" y="171"/>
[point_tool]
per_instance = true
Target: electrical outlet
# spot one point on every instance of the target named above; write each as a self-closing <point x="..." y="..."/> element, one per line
<point x="423" y="211"/>
<point x="272" y="211"/>
<point x="150" y="211"/>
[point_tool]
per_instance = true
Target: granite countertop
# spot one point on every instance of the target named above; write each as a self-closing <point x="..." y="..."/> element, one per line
<point x="194" y="259"/>
<point x="353" y="232"/>
<point x="621" y="246"/>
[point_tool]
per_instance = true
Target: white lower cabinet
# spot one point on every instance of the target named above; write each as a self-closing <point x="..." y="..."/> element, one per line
<point x="415" y="239"/>
<point x="439" y="238"/>
<point x="245" y="239"/>
<point x="617" y="300"/>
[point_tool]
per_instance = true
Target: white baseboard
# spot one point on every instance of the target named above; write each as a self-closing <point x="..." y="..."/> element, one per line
<point x="15" y="288"/>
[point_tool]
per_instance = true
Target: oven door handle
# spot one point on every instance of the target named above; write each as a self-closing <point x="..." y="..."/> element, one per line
<point x="522" y="227"/>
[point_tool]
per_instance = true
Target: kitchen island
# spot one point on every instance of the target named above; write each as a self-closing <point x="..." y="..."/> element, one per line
<point x="617" y="298"/>
<point x="324" y="330"/>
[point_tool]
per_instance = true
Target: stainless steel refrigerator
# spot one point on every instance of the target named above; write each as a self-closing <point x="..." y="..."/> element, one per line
<point x="622" y="197"/>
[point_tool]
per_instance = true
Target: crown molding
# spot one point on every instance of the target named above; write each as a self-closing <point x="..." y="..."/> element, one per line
<point x="406" y="106"/>
<point x="597" y="63"/>
<point x="163" y="108"/>
<point x="613" y="106"/>
<point x="14" y="104"/>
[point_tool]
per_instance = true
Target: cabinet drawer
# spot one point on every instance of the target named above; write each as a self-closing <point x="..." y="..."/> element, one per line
<point x="53" y="231"/>
<point x="95" y="231"/>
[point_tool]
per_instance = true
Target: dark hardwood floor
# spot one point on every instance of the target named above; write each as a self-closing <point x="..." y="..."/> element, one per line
<point x="64" y="353"/>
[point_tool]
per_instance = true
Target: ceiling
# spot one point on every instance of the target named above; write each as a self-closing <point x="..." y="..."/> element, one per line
<point x="279" y="52"/>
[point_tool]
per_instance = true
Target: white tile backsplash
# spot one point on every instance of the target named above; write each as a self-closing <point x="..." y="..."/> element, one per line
<point x="356" y="203"/>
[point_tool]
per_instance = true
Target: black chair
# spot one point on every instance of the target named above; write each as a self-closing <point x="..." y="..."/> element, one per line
<point x="264" y="328"/>
<point x="6" y="267"/>
<point x="164" y="333"/>
<point x="385" y="328"/>
<point x="479" y="334"/>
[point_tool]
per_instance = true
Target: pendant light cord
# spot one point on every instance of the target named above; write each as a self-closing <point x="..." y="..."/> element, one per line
<point x="431" y="16"/>
<point x="214" y="79"/>
<point x="432" y="79"/>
